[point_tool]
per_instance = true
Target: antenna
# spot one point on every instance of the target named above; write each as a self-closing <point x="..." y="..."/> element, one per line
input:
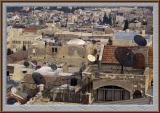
<point x="141" y="41"/>
<point x="125" y="57"/>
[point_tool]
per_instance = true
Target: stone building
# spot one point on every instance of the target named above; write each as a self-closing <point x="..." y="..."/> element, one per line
<point x="73" y="52"/>
<point x="109" y="84"/>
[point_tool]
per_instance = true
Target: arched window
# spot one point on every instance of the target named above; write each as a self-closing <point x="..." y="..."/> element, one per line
<point x="112" y="93"/>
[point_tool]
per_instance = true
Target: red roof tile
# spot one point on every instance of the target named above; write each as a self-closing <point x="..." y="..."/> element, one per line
<point x="108" y="55"/>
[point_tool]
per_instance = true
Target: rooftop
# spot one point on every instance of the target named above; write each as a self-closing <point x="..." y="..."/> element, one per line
<point x="76" y="42"/>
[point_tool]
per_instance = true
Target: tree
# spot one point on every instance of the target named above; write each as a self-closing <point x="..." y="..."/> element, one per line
<point x="126" y="25"/>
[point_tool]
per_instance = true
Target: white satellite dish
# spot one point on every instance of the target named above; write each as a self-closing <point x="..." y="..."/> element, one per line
<point x="91" y="58"/>
<point x="13" y="90"/>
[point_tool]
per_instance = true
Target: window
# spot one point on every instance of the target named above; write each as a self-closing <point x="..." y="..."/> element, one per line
<point x="54" y="50"/>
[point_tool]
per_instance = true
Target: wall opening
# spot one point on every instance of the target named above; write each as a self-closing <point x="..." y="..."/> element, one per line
<point x="111" y="93"/>
<point x="11" y="101"/>
<point x="137" y="94"/>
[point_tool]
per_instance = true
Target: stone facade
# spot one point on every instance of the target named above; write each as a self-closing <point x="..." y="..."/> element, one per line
<point x="129" y="81"/>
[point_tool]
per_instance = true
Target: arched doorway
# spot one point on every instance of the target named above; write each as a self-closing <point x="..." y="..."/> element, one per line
<point x="111" y="93"/>
<point x="137" y="94"/>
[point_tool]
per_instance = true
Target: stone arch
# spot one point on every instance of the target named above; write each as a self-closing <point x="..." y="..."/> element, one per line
<point x="112" y="93"/>
<point x="103" y="82"/>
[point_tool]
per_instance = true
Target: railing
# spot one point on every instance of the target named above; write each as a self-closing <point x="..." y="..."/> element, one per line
<point x="71" y="97"/>
<point x="130" y="73"/>
<point x="112" y="76"/>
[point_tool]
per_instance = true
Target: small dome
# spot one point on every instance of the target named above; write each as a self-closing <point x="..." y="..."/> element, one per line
<point x="76" y="42"/>
<point x="44" y="70"/>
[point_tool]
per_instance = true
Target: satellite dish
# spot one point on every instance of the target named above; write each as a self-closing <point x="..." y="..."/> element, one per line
<point x="91" y="58"/>
<point x="53" y="66"/>
<point x="38" y="78"/>
<point x="124" y="56"/>
<point x="141" y="41"/>
<point x="94" y="41"/>
<point x="38" y="67"/>
<point x="13" y="90"/>
<point x="26" y="63"/>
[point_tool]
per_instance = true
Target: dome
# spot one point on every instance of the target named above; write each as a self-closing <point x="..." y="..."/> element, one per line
<point x="44" y="70"/>
<point x="76" y="42"/>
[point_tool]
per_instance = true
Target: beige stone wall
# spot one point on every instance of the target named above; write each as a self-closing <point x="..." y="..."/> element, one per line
<point x="130" y="82"/>
<point x="62" y="54"/>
